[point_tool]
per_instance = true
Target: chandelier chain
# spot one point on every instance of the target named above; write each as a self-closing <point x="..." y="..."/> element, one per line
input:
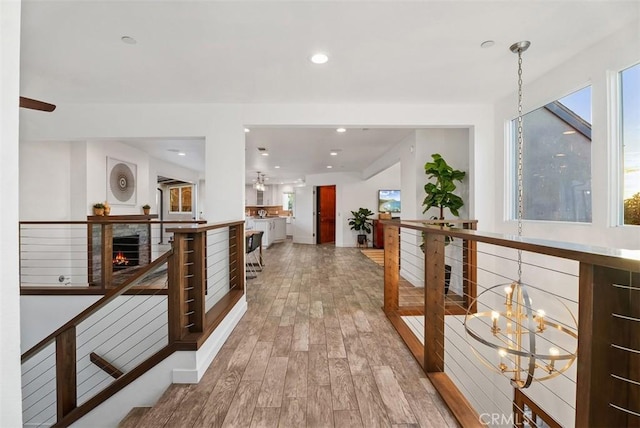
<point x="520" y="162"/>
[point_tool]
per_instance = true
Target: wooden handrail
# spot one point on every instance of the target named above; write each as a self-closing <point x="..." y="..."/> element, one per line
<point x="108" y="297"/>
<point x="205" y="228"/>
<point x="609" y="257"/>
<point x="107" y="220"/>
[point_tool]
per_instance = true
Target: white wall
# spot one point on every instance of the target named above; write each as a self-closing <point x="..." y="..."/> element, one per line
<point x="10" y="403"/>
<point x="45" y="180"/>
<point x="97" y="180"/>
<point x="363" y="193"/>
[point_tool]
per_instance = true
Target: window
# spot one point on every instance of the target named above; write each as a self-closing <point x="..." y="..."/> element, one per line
<point x="287" y="201"/>
<point x="630" y="128"/>
<point x="557" y="160"/>
<point x="180" y="200"/>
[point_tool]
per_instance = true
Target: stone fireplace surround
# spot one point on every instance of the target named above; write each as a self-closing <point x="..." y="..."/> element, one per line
<point x="120" y="228"/>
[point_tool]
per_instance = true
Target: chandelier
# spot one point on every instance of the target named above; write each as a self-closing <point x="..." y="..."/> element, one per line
<point x="519" y="341"/>
<point x="259" y="184"/>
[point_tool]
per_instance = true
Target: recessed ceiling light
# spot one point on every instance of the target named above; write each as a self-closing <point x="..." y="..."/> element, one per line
<point x="559" y="155"/>
<point x="128" y="40"/>
<point x="319" y="58"/>
<point x="247" y="130"/>
<point x="334" y="153"/>
<point x="341" y="130"/>
<point x="264" y="154"/>
<point x="487" y="44"/>
<point x="277" y="167"/>
<point x="569" y="132"/>
<point x="329" y="166"/>
<point x="182" y="154"/>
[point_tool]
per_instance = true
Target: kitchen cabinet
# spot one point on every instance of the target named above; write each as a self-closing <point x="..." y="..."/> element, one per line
<point x="265" y="226"/>
<point x="274" y="229"/>
<point x="270" y="196"/>
<point x="280" y="230"/>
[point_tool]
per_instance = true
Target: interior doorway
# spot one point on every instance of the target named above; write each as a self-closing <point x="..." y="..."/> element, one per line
<point x="326" y="225"/>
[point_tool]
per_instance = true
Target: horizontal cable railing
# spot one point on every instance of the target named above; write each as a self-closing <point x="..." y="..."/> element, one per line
<point x="88" y="256"/>
<point x="123" y="330"/>
<point x="482" y="324"/>
<point x="172" y="303"/>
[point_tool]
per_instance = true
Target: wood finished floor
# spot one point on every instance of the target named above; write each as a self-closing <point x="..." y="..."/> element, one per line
<point x="314" y="349"/>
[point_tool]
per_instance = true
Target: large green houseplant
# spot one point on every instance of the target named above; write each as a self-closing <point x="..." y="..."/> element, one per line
<point x="440" y="195"/>
<point x="360" y="222"/>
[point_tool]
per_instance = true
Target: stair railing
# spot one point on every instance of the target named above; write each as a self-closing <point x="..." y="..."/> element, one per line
<point x="136" y="325"/>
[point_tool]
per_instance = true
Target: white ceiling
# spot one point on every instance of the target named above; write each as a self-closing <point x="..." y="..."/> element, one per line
<point x="257" y="51"/>
<point x="302" y="151"/>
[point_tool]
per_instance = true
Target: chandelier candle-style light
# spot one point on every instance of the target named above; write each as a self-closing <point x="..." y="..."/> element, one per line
<point x="519" y="341"/>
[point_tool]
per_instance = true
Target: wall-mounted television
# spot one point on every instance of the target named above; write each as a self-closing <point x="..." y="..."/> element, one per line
<point x="389" y="201"/>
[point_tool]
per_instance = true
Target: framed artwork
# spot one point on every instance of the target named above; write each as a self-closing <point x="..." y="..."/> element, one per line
<point x="389" y="201"/>
<point x="121" y="182"/>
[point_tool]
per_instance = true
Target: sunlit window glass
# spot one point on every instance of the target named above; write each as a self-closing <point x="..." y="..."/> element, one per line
<point x="557" y="160"/>
<point x="630" y="125"/>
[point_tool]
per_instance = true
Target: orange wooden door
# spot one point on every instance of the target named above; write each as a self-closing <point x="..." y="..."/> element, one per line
<point x="326" y="214"/>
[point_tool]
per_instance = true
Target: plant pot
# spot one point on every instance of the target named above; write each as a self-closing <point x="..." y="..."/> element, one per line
<point x="98" y="211"/>
<point x="447" y="278"/>
<point x="146" y="211"/>
<point x="362" y="239"/>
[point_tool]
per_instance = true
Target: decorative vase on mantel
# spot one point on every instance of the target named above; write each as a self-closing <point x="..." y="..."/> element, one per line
<point x="107" y="208"/>
<point x="146" y="209"/>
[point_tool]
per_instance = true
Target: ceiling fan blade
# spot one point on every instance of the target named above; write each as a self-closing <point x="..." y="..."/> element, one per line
<point x="36" y="105"/>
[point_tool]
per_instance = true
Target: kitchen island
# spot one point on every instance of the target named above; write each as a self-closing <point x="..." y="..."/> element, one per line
<point x="274" y="229"/>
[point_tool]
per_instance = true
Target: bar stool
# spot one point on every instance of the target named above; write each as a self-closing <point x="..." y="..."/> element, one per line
<point x="253" y="242"/>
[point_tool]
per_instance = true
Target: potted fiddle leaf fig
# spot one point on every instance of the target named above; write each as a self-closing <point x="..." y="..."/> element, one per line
<point x="360" y="222"/>
<point x="440" y="195"/>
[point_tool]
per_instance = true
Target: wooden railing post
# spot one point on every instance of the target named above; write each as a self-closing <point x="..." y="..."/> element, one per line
<point x="434" y="302"/>
<point x="391" y="268"/>
<point x="197" y="280"/>
<point x="597" y="360"/>
<point x="237" y="254"/>
<point x="66" y="389"/>
<point x="176" y="293"/>
<point x="106" y="255"/>
<point x="470" y="270"/>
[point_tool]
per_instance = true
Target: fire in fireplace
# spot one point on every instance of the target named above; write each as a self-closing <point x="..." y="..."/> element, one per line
<point x="126" y="252"/>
